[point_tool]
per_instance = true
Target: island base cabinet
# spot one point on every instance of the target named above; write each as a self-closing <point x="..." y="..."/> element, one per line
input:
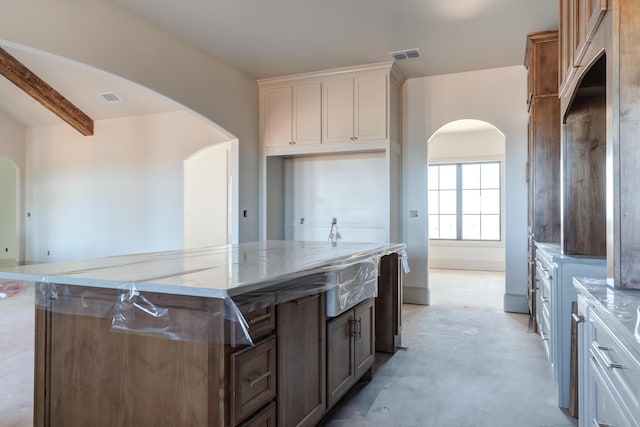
<point x="301" y="361"/>
<point x="350" y="349"/>
<point x="88" y="374"/>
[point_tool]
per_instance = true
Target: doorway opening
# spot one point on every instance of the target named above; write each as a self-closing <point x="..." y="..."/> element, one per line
<point x="208" y="193"/>
<point x="466" y="205"/>
<point x="9" y="232"/>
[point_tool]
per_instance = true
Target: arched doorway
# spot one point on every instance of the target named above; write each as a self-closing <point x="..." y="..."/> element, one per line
<point x="9" y="235"/>
<point x="466" y="205"/>
<point x="208" y="196"/>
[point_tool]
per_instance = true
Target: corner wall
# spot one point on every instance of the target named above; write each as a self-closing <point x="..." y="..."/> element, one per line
<point x="496" y="96"/>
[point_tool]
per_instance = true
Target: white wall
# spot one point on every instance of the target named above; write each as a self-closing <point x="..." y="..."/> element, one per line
<point x="12" y="140"/>
<point x="496" y="96"/>
<point x="345" y="186"/>
<point x="102" y="35"/>
<point x="9" y="240"/>
<point x="481" y="145"/>
<point x="207" y="175"/>
<point x="119" y="191"/>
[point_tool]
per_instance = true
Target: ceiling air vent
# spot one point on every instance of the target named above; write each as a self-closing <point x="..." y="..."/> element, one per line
<point x="406" y="54"/>
<point x="110" y="97"/>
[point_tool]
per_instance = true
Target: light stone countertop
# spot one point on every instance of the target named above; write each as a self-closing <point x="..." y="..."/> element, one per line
<point x="216" y="272"/>
<point x="620" y="305"/>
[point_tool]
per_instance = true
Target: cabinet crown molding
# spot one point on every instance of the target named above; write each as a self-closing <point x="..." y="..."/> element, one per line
<point x="388" y="66"/>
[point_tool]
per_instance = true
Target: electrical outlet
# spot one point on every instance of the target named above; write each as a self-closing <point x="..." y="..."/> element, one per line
<point x="48" y="253"/>
<point x="413" y="214"/>
<point x="301" y="221"/>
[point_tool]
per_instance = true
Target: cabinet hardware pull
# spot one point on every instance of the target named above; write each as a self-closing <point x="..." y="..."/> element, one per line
<point x="305" y="299"/>
<point x="259" y="319"/>
<point x="359" y="321"/>
<point x="259" y="378"/>
<point x="578" y="318"/>
<point x="602" y="351"/>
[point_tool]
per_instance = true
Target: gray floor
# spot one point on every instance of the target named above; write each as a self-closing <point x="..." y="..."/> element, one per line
<point x="466" y="364"/>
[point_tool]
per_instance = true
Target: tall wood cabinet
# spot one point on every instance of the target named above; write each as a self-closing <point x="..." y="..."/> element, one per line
<point x="541" y="60"/>
<point x="600" y="113"/>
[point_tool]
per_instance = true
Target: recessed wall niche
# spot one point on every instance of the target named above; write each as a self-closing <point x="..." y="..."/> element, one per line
<point x="583" y="147"/>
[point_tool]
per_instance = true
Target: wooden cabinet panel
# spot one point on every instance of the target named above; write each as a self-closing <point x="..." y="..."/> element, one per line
<point x="545" y="171"/>
<point x="350" y="349"/>
<point x="301" y="361"/>
<point x="338" y="110"/>
<point x="264" y="418"/>
<point x="252" y="379"/>
<point x="340" y="357"/>
<point x="278" y="116"/>
<point x="584" y="166"/>
<point x="371" y="108"/>
<point x="121" y="378"/>
<point x="388" y="305"/>
<point x="260" y="322"/>
<point x="364" y="337"/>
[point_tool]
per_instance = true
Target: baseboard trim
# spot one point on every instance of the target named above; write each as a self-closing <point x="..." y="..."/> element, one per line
<point x="516" y="303"/>
<point x="418" y="296"/>
<point x="457" y="264"/>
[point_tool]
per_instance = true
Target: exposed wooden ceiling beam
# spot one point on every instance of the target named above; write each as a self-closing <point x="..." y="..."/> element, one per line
<point x="39" y="90"/>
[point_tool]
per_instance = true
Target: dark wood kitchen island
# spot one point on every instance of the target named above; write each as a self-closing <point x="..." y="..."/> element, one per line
<point x="254" y="334"/>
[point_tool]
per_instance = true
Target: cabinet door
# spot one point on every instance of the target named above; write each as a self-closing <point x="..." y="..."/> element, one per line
<point x="340" y="357"/>
<point x="364" y="337"/>
<point x="338" y="111"/>
<point x="278" y="117"/>
<point x="371" y="108"/>
<point x="307" y="113"/>
<point x="301" y="361"/>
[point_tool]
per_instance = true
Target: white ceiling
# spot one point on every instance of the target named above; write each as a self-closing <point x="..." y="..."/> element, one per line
<point x="268" y="38"/>
<point x="281" y="37"/>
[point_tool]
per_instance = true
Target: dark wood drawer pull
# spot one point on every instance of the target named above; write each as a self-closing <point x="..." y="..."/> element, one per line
<point x="259" y="319"/>
<point x="259" y="378"/>
<point x="306" y="299"/>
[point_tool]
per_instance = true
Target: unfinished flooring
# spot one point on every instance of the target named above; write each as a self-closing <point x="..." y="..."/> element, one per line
<point x="466" y="363"/>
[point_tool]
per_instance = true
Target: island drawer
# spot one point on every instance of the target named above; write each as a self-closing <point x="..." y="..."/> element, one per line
<point x="252" y="379"/>
<point x="264" y="418"/>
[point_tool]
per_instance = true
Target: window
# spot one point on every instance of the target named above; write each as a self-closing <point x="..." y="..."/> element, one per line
<point x="464" y="201"/>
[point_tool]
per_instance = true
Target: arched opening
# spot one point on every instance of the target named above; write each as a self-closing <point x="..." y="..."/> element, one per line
<point x="208" y="196"/>
<point x="466" y="206"/>
<point x="123" y="187"/>
<point x="9" y="203"/>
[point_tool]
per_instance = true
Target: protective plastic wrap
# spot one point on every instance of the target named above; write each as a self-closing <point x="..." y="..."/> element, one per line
<point x="193" y="295"/>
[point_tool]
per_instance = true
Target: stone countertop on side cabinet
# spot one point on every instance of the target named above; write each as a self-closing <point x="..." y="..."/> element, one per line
<point x="554" y="251"/>
<point x="619" y="305"/>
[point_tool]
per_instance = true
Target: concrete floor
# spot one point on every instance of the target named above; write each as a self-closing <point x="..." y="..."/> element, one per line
<point x="466" y="363"/>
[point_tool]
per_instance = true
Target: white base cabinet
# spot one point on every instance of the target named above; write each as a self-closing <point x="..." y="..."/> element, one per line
<point x="555" y="293"/>
<point x="608" y="355"/>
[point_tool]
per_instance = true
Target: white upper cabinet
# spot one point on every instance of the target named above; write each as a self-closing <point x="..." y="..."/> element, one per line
<point x="355" y="109"/>
<point x="371" y="108"/>
<point x="307" y="113"/>
<point x="338" y="114"/>
<point x="292" y="115"/>
<point x="340" y="110"/>
<point x="279" y="116"/>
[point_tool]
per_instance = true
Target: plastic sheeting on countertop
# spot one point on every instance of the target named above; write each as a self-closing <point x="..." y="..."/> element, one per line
<point x="136" y="291"/>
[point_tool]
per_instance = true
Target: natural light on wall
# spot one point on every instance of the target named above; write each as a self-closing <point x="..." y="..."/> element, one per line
<point x="461" y="9"/>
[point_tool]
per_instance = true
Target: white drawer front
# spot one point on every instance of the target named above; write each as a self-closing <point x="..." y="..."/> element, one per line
<point x="620" y="366"/>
